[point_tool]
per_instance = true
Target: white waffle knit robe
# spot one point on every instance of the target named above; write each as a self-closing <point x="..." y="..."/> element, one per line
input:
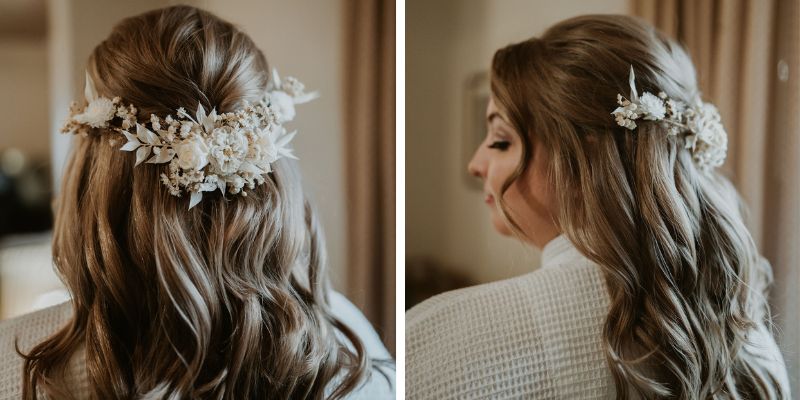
<point x="536" y="336"/>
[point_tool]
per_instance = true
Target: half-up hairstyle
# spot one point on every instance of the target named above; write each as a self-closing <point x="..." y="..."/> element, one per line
<point x="687" y="285"/>
<point x="225" y="300"/>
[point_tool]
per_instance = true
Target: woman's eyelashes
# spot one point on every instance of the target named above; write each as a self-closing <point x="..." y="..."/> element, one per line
<point x="501" y="145"/>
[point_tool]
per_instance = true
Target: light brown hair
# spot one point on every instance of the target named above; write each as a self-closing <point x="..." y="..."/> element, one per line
<point x="225" y="300"/>
<point x="688" y="287"/>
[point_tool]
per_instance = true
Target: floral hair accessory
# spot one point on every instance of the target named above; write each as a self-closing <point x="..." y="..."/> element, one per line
<point x="700" y="123"/>
<point x="208" y="151"/>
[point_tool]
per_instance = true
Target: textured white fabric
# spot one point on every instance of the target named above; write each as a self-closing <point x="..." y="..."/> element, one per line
<point x="30" y="329"/>
<point x="537" y="336"/>
<point x="377" y="387"/>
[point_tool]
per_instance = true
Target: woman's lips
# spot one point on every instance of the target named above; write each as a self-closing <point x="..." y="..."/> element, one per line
<point x="489" y="199"/>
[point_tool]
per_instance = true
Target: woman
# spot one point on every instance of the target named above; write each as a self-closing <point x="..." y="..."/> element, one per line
<point x="196" y="265"/>
<point x="600" y="152"/>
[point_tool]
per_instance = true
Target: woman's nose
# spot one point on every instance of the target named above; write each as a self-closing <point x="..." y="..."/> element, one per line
<point x="476" y="167"/>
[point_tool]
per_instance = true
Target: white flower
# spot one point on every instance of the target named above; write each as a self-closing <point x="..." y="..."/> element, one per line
<point x="282" y="139"/>
<point x="154" y="122"/>
<point x="710" y="142"/>
<point x="97" y="113"/>
<point x="652" y="107"/>
<point x="122" y="112"/>
<point x="283" y="105"/>
<point x="263" y="150"/>
<point x="674" y="109"/>
<point x="236" y="182"/>
<point x="648" y="107"/>
<point x="626" y="114"/>
<point x="293" y="87"/>
<point x="210" y="183"/>
<point x="192" y="154"/>
<point x="705" y="118"/>
<point x="186" y="127"/>
<point x="228" y="149"/>
<point x="709" y="156"/>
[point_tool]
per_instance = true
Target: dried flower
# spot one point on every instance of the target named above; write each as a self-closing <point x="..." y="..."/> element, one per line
<point x="207" y="151"/>
<point x="97" y="113"/>
<point x="701" y="124"/>
<point x="283" y="105"/>
<point x="192" y="154"/>
<point x="652" y="107"/>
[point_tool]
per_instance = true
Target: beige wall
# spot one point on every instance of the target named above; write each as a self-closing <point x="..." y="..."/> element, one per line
<point x="448" y="41"/>
<point x="75" y="27"/>
<point x="23" y="96"/>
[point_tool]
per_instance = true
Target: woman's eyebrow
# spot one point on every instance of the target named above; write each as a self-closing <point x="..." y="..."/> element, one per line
<point x="495" y="116"/>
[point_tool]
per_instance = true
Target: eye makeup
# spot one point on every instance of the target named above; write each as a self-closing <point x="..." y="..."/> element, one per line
<point x="501" y="145"/>
<point x="496" y="131"/>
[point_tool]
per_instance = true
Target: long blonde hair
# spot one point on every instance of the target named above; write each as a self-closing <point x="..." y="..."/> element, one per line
<point x="688" y="287"/>
<point x="226" y="300"/>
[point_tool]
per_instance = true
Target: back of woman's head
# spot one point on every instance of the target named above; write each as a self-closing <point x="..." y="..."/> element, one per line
<point x="687" y="283"/>
<point x="226" y="299"/>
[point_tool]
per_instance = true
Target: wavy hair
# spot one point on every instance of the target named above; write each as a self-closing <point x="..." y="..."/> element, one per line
<point x="226" y="300"/>
<point x="688" y="287"/>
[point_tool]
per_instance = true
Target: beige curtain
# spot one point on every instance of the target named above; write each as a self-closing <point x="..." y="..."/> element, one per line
<point x="370" y="146"/>
<point x="747" y="54"/>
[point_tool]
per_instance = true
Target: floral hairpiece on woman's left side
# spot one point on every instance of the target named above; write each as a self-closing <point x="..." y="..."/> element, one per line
<point x="229" y="151"/>
<point x="699" y="123"/>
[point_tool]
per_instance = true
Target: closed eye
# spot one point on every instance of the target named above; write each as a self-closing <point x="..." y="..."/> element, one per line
<point x="501" y="145"/>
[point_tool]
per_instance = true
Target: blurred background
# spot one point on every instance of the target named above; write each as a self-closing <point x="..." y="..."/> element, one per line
<point x="748" y="58"/>
<point x="342" y="48"/>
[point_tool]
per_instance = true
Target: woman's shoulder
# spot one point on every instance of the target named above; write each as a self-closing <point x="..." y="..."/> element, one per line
<point x="30" y="329"/>
<point x="581" y="282"/>
<point x="23" y="333"/>
<point x="381" y="382"/>
<point x="541" y="330"/>
<point x="352" y="316"/>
